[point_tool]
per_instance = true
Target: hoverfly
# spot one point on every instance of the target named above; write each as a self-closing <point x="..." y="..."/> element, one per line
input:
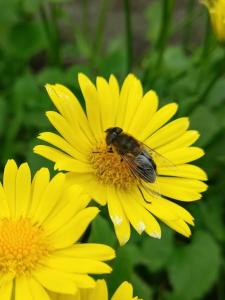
<point x="138" y="156"/>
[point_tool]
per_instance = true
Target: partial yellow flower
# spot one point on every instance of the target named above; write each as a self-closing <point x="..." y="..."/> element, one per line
<point x="217" y="14"/>
<point x="100" y="292"/>
<point x="80" y="149"/>
<point x="40" y="225"/>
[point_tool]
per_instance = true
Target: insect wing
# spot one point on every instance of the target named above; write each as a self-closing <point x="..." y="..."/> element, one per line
<point x="144" y="168"/>
<point x="142" y="178"/>
<point x="157" y="157"/>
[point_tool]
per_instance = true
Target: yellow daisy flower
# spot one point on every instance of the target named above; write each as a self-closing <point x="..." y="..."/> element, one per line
<point x="100" y="292"/>
<point x="217" y="14"/>
<point x="81" y="149"/>
<point x="40" y="221"/>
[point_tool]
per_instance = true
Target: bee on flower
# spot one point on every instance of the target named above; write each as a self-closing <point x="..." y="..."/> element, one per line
<point x="126" y="153"/>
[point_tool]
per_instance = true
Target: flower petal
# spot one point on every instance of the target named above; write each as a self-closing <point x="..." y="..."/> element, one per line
<point x="68" y="105"/>
<point x="39" y="184"/>
<point x="181" y="188"/>
<point x="168" y="133"/>
<point x="62" y="144"/>
<point x="130" y="97"/>
<point x="162" y="116"/>
<point x="124" y="291"/>
<point x="72" y="231"/>
<point x="6" y="291"/>
<point x="144" y="113"/>
<point x="56" y="281"/>
<point x="23" y="190"/>
<point x="77" y="265"/>
<point x="92" y="105"/>
<point x="91" y="251"/>
<point x="185" y="171"/>
<point x="9" y="184"/>
<point x="118" y="217"/>
<point x="184" y="155"/>
<point x="185" y="140"/>
<point x="49" y="198"/>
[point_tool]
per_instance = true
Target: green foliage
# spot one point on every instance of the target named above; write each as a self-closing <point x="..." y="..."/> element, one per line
<point x="52" y="41"/>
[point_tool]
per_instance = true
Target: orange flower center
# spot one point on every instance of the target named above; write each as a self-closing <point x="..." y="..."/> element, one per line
<point x="22" y="246"/>
<point x="110" y="168"/>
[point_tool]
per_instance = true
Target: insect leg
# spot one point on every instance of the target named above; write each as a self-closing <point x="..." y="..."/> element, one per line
<point x="142" y="194"/>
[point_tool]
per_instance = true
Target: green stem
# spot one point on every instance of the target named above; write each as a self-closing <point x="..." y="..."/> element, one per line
<point x="49" y="16"/>
<point x="207" y="38"/>
<point x="188" y="24"/>
<point x="129" y="36"/>
<point x="167" y="12"/>
<point x="100" y="29"/>
<point x="85" y="17"/>
<point x="220" y="71"/>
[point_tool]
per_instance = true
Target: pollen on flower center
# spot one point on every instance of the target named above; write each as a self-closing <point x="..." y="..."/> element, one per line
<point x="110" y="168"/>
<point x="22" y="246"/>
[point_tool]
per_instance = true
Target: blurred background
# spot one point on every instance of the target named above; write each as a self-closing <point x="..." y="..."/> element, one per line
<point x="171" y="47"/>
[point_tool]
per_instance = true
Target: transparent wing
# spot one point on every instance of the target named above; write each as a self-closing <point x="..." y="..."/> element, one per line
<point x="157" y="157"/>
<point x="143" y="178"/>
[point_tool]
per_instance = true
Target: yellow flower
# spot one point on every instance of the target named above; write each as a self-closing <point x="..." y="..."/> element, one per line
<point x="217" y="14"/>
<point x="100" y="292"/>
<point x="40" y="221"/>
<point x="81" y="150"/>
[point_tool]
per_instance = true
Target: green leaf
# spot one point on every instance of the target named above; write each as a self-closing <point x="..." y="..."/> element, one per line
<point x="194" y="268"/>
<point x="3" y="114"/>
<point x="203" y="120"/>
<point x="157" y="252"/>
<point x="102" y="232"/>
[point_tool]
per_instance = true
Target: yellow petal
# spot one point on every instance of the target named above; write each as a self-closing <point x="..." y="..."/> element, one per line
<point x="37" y="291"/>
<point x="139" y="217"/>
<point x="179" y="226"/>
<point x="72" y="201"/>
<point x="9" y="184"/>
<point x="185" y="140"/>
<point x="6" y="291"/>
<point x="72" y="231"/>
<point x="22" y="290"/>
<point x="186" y="171"/>
<point x="73" y="165"/>
<point x="124" y="291"/>
<point x="92" y="251"/>
<point x="23" y="190"/>
<point x="49" y="198"/>
<point x="108" y="104"/>
<point x="4" y="207"/>
<point x="73" y="137"/>
<point x="158" y="120"/>
<point x="68" y="105"/>
<point x="92" y="105"/>
<point x="50" y="153"/>
<point x="168" y="133"/>
<point x="39" y="184"/>
<point x="118" y="217"/>
<point x="88" y="182"/>
<point x="184" y="155"/>
<point x="78" y="265"/>
<point x="62" y="144"/>
<point x="100" y="291"/>
<point x="56" y="281"/>
<point x="181" y="188"/>
<point x="167" y="210"/>
<point x="130" y="97"/>
<point x="145" y="111"/>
